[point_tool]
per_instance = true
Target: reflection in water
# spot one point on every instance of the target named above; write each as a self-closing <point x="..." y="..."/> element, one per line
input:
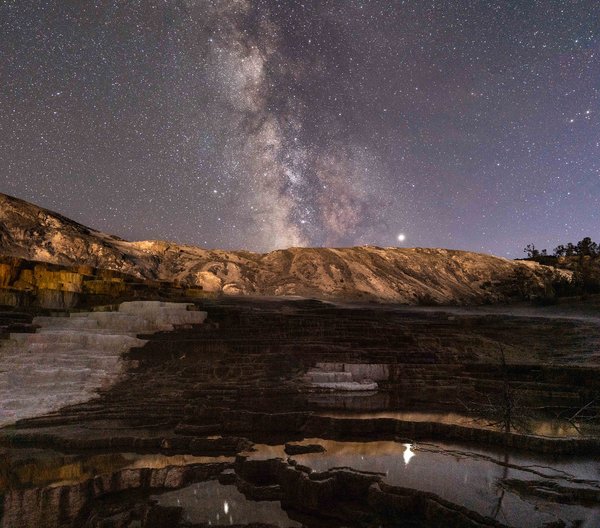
<point x="48" y="489"/>
<point x="45" y="488"/>
<point x="26" y="468"/>
<point x="473" y="477"/>
<point x="408" y="453"/>
<point x="217" y="505"/>
<point x="539" y="427"/>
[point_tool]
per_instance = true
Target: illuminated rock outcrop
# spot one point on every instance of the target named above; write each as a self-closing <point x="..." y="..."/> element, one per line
<point x="390" y="274"/>
<point x="346" y="376"/>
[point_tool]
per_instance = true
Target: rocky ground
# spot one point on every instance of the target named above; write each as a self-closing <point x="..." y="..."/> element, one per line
<point x="429" y="447"/>
<point x="283" y="410"/>
<point x="395" y="275"/>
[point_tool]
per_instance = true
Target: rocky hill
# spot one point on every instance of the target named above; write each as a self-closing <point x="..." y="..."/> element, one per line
<point x="411" y="275"/>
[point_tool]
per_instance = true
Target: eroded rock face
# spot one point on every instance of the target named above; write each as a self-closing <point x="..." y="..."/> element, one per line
<point x="410" y="276"/>
<point x="38" y="285"/>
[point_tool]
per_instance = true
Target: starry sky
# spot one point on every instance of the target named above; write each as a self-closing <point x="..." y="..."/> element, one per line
<point x="261" y="124"/>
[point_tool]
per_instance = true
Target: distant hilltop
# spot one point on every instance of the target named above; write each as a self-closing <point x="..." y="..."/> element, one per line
<point x="366" y="273"/>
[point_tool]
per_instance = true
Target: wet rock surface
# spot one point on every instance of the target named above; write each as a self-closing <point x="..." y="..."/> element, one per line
<point x="302" y="449"/>
<point x="408" y="454"/>
<point x="66" y="359"/>
<point x="244" y="369"/>
<point x="358" y="484"/>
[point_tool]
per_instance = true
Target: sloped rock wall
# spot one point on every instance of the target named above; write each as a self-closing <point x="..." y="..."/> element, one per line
<point x="385" y="274"/>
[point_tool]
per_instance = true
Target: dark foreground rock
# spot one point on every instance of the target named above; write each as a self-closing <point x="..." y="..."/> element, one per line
<point x="237" y="387"/>
<point x="301" y="449"/>
<point x="242" y="374"/>
<point x="259" y="488"/>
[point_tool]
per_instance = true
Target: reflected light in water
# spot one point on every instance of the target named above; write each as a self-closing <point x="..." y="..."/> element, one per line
<point x="408" y="453"/>
<point x="226" y="507"/>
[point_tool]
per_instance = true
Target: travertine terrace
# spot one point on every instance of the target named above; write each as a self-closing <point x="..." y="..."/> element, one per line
<point x="68" y="359"/>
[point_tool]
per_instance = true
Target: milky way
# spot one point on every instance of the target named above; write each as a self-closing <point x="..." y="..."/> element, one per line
<point x="264" y="124"/>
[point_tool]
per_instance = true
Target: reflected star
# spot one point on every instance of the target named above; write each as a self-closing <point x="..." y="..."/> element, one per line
<point x="408" y="453"/>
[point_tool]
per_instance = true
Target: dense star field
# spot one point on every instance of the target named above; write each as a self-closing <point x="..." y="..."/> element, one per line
<point x="261" y="124"/>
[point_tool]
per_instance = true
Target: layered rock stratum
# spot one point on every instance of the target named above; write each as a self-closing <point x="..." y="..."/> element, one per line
<point x="68" y="359"/>
<point x="390" y="274"/>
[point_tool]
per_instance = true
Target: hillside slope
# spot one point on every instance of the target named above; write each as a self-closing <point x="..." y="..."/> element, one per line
<point x="404" y="275"/>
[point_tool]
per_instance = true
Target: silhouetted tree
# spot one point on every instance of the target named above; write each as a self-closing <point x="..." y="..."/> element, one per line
<point x="500" y="408"/>
<point x="586" y="276"/>
<point x="531" y="251"/>
<point x="587" y="248"/>
<point x="560" y="251"/>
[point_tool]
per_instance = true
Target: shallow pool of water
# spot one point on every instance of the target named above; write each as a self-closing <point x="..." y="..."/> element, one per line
<point x="556" y="428"/>
<point x="218" y="505"/>
<point x="43" y="488"/>
<point x="517" y="489"/>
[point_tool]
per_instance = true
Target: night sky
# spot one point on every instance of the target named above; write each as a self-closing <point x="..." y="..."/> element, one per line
<point x="262" y="124"/>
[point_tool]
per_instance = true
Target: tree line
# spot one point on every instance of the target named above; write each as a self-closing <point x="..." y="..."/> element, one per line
<point x="585" y="256"/>
<point x="586" y="247"/>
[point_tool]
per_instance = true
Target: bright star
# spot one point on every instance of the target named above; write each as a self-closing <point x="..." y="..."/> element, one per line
<point x="401" y="237"/>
